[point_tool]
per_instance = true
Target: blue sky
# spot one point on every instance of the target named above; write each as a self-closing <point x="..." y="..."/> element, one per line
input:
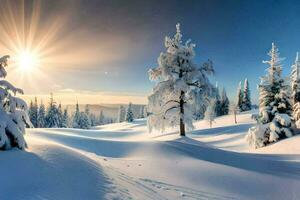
<point x="119" y="41"/>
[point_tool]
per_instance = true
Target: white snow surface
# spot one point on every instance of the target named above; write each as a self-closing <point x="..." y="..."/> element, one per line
<point x="124" y="161"/>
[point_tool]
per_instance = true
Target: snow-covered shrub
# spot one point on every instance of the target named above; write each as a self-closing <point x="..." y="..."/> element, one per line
<point x="275" y="109"/>
<point x="256" y="136"/>
<point x="13" y="113"/>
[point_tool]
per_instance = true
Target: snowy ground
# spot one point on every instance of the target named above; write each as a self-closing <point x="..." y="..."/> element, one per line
<point x="123" y="161"/>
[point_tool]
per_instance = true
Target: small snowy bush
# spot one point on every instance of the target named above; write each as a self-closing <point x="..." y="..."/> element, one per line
<point x="13" y="113"/>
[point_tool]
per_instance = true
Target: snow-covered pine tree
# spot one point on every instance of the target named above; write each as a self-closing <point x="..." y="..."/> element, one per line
<point x="84" y="122"/>
<point x="295" y="85"/>
<point x="60" y="115"/>
<point x="101" y="118"/>
<point x="30" y="111"/>
<point x="121" y="114"/>
<point x="87" y="112"/>
<point x="129" y="113"/>
<point x="76" y="117"/>
<point x="210" y="113"/>
<point x="41" y="116"/>
<point x="240" y="97"/>
<point x="93" y="120"/>
<point x="274" y="121"/>
<point x="201" y="104"/>
<point x="172" y="101"/>
<point x="246" y="102"/>
<point x="217" y="101"/>
<point x="224" y="110"/>
<point x="52" y="117"/>
<point x="13" y="113"/>
<point x="65" y="119"/>
<point x="142" y="112"/>
<point x="33" y="112"/>
<point x="295" y="80"/>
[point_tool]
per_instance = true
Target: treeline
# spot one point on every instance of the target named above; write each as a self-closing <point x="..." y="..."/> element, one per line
<point x="54" y="116"/>
<point x="127" y="114"/>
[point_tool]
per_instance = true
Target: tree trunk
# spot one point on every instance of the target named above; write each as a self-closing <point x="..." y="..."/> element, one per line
<point x="235" y="118"/>
<point x="181" y="104"/>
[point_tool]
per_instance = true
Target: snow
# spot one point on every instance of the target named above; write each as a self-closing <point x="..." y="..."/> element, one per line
<point x="124" y="161"/>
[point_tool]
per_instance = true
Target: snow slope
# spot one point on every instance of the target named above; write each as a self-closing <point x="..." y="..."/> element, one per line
<point x="123" y="161"/>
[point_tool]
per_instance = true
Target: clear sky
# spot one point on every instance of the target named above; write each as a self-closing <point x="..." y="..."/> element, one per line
<point x="98" y="51"/>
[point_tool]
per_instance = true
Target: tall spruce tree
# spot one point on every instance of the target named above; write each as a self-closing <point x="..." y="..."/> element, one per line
<point x="60" y="115"/>
<point x="76" y="117"/>
<point x="239" y="100"/>
<point x="295" y="86"/>
<point x="52" y="117"/>
<point x="217" y="101"/>
<point x="246" y="102"/>
<point x="41" y="115"/>
<point x="33" y="112"/>
<point x="224" y="110"/>
<point x="65" y="119"/>
<point x="275" y="109"/>
<point x="129" y="113"/>
<point x="121" y="114"/>
<point x="101" y="118"/>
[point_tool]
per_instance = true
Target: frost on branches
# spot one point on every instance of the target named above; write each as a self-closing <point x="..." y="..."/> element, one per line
<point x="275" y="109"/>
<point x="13" y="113"/>
<point x="179" y="80"/>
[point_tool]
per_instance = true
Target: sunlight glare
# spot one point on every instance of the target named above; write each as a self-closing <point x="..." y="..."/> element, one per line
<point x="27" y="60"/>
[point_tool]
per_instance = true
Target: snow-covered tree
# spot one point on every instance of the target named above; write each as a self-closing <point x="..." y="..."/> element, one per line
<point x="87" y="112"/>
<point x="295" y="81"/>
<point x="101" y="118"/>
<point x="80" y="119"/>
<point x="65" y="119"/>
<point x="76" y="117"/>
<point x="33" y="112"/>
<point x="52" y="118"/>
<point x="246" y="102"/>
<point x="172" y="101"/>
<point x="274" y="121"/>
<point x="234" y="110"/>
<point x="41" y="116"/>
<point x="210" y="113"/>
<point x="84" y="122"/>
<point x="217" y="101"/>
<point x="60" y="115"/>
<point x="93" y="120"/>
<point x="142" y="112"/>
<point x="201" y="103"/>
<point x="239" y="97"/>
<point x="129" y="113"/>
<point x="224" y="109"/>
<point x="121" y="114"/>
<point x="295" y="85"/>
<point x="13" y="112"/>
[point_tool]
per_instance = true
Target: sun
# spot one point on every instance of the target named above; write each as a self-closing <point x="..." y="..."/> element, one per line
<point x="27" y="60"/>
